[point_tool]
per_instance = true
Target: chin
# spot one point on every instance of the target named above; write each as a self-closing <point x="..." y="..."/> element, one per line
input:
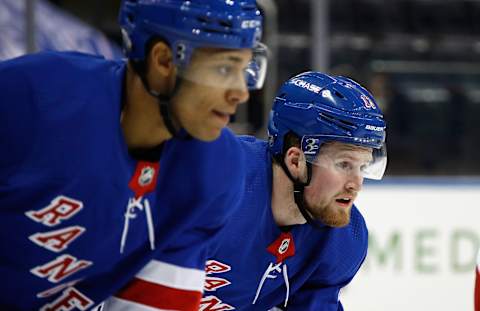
<point x="206" y="136"/>
<point x="334" y="218"/>
<point x="337" y="222"/>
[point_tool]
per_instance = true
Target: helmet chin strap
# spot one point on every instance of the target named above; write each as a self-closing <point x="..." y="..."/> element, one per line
<point x="164" y="103"/>
<point x="298" y="192"/>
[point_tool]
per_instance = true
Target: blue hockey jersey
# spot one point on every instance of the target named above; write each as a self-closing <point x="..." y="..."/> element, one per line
<point x="80" y="217"/>
<point x="257" y="266"/>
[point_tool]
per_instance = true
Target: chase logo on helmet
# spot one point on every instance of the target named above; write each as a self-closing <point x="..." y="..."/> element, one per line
<point x="306" y="85"/>
<point x="374" y="128"/>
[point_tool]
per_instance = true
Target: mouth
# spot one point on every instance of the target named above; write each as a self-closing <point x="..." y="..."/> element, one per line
<point x="344" y="201"/>
<point x="224" y="117"/>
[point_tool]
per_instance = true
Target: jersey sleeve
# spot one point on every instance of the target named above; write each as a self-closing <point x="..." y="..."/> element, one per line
<point x="209" y="186"/>
<point x="321" y="291"/>
<point x="167" y="282"/>
<point x="16" y="115"/>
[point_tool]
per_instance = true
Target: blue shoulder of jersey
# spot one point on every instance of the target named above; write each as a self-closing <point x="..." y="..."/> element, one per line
<point x="32" y="86"/>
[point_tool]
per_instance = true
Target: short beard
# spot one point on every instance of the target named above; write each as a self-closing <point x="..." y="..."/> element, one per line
<point x="330" y="216"/>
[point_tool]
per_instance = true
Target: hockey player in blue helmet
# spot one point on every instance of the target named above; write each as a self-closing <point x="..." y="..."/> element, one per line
<point x="109" y="178"/>
<point x="319" y="110"/>
<point x="175" y="45"/>
<point x="297" y="238"/>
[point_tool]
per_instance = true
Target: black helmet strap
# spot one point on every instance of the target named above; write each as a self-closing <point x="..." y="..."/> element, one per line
<point x="298" y="191"/>
<point x="164" y="101"/>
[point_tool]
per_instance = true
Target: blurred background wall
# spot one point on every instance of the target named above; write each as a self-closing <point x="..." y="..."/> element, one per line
<point x="421" y="61"/>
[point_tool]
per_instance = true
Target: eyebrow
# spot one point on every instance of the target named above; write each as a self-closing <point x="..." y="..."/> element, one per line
<point x="344" y="154"/>
<point x="224" y="56"/>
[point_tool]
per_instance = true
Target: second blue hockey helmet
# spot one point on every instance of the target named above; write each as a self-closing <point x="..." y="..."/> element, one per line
<point x="319" y="108"/>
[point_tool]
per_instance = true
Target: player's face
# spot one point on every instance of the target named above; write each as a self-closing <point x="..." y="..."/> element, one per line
<point x="212" y="87"/>
<point x="336" y="181"/>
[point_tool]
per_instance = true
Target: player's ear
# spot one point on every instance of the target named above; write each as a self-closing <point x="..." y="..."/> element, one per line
<point x="160" y="59"/>
<point x="296" y="163"/>
<point x="161" y="68"/>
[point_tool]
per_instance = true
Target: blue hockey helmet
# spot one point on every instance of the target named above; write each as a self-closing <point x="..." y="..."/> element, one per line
<point x="319" y="108"/>
<point x="186" y="25"/>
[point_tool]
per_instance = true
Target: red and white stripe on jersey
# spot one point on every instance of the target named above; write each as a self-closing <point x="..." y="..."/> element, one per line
<point x="161" y="286"/>
<point x="477" y="284"/>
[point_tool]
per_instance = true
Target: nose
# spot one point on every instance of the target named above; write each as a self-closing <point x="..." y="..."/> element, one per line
<point x="237" y="96"/>
<point x="238" y="93"/>
<point x="355" y="182"/>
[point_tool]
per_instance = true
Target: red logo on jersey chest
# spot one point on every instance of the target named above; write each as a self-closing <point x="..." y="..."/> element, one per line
<point x="144" y="179"/>
<point x="283" y="247"/>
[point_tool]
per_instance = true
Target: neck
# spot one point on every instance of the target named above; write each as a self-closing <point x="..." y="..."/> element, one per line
<point x="285" y="210"/>
<point x="141" y="121"/>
